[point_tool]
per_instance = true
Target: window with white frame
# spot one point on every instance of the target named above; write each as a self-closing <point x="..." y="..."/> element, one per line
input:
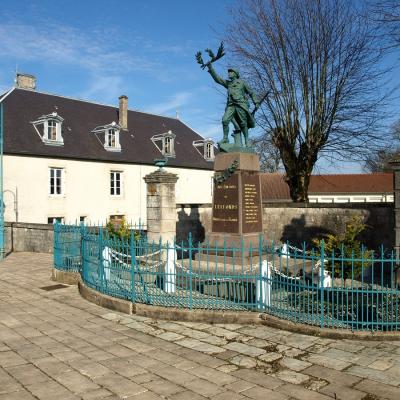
<point x="52" y="129"/>
<point x="116" y="183"/>
<point x="49" y="128"/>
<point x="209" y="151"/>
<point x="111" y="138"/>
<point x="206" y="148"/>
<point x="165" y="142"/>
<point x="56" y="184"/>
<point x="111" y="133"/>
<point x="168" y="145"/>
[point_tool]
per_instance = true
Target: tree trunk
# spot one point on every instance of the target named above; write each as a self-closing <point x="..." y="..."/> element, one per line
<point x="298" y="186"/>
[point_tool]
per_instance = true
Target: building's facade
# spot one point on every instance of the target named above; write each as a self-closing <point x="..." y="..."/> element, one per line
<point x="72" y="160"/>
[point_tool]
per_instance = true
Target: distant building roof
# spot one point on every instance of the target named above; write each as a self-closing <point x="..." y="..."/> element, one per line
<point x="352" y="183"/>
<point x="274" y="187"/>
<point x="21" y="107"/>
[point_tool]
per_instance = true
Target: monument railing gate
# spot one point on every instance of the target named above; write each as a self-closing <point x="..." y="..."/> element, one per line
<point x="309" y="286"/>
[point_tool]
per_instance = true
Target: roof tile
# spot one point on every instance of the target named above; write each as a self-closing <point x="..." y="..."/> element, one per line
<point x="80" y="118"/>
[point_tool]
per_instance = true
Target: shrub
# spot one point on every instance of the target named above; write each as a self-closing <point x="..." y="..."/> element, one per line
<point x="121" y="231"/>
<point x="348" y="253"/>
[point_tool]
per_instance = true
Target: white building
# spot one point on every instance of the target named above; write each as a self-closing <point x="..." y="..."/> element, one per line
<point x="73" y="160"/>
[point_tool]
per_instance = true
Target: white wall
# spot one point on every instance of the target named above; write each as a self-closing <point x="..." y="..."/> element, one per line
<point x="349" y="198"/>
<point x="87" y="189"/>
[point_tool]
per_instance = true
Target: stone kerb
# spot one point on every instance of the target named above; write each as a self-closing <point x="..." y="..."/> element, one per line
<point x="161" y="206"/>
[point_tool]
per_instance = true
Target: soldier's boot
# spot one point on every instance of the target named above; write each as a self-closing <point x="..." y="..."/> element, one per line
<point x="225" y="139"/>
<point x="237" y="137"/>
<point x="245" y="132"/>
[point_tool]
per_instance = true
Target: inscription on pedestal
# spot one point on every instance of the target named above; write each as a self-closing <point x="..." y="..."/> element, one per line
<point x="251" y="206"/>
<point x="226" y="206"/>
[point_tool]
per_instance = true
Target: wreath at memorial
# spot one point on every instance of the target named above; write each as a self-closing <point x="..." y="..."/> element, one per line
<point x="221" y="177"/>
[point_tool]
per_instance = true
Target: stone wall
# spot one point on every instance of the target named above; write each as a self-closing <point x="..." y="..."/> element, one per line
<point x="396" y="184"/>
<point x="292" y="222"/>
<point x="297" y="223"/>
<point x="301" y="222"/>
<point x="37" y="238"/>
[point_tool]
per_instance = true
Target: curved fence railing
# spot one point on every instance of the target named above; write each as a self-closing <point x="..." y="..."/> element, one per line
<point x="337" y="290"/>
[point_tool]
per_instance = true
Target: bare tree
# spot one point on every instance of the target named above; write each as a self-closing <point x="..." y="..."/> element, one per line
<point x="386" y="13"/>
<point x="379" y="161"/>
<point x="270" y="158"/>
<point x="318" y="59"/>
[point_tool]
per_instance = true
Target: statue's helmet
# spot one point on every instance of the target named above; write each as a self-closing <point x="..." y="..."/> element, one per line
<point x="235" y="71"/>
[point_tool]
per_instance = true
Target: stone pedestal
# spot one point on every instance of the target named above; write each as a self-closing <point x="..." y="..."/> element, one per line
<point x="161" y="206"/>
<point x="237" y="202"/>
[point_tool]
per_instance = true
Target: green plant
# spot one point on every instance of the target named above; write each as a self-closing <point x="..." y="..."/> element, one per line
<point x="344" y="252"/>
<point x="122" y="230"/>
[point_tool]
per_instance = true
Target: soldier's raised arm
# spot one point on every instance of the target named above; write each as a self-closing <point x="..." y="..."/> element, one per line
<point x="215" y="76"/>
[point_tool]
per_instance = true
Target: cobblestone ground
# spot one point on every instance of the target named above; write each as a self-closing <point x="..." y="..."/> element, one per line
<point x="56" y="345"/>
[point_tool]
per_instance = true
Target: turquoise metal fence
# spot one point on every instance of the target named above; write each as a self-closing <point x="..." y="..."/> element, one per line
<point x="2" y="241"/>
<point x="309" y="286"/>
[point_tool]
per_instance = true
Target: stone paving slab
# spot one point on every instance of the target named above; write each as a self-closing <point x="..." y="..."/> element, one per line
<point x="56" y="345"/>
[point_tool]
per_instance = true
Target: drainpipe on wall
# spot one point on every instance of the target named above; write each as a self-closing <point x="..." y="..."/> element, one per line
<point x="2" y="250"/>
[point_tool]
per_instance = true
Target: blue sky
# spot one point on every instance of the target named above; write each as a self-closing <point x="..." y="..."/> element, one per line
<point x="98" y="50"/>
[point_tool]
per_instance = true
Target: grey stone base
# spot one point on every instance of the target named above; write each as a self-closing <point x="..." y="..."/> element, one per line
<point x="69" y="278"/>
<point x="215" y="317"/>
<point x="275" y="322"/>
<point x="105" y="301"/>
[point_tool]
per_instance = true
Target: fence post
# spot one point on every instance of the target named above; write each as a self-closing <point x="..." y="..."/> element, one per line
<point x="100" y="258"/>
<point x="82" y="232"/>
<point x="133" y="266"/>
<point x="85" y="253"/>
<point x="260" y="281"/>
<point x="190" y="271"/>
<point x="170" y="270"/>
<point x="56" y="243"/>
<point x="321" y="283"/>
<point x="264" y="285"/>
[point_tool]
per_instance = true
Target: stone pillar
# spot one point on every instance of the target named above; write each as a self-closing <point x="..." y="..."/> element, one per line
<point x="396" y="187"/>
<point x="161" y="206"/>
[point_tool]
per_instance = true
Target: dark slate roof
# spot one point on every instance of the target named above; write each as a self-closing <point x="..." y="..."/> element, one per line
<point x="21" y="107"/>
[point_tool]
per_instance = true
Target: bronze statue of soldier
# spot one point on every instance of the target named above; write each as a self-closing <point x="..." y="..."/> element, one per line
<point x="237" y="106"/>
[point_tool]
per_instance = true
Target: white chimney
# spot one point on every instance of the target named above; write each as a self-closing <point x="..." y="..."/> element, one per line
<point x="25" y="81"/>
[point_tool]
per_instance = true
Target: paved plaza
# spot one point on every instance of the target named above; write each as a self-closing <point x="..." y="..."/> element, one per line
<point x="54" y="345"/>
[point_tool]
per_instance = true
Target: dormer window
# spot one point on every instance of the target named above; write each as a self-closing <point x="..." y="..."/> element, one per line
<point x="49" y="128"/>
<point x="165" y="143"/>
<point x="209" y="151"/>
<point x="111" y="142"/>
<point x="205" y="148"/>
<point x="168" y="145"/>
<point x="110" y="139"/>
